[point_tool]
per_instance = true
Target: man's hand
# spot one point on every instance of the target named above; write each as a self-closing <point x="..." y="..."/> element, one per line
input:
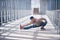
<point x="21" y="27"/>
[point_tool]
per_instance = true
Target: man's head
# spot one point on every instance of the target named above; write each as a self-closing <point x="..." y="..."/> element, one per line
<point x="32" y="18"/>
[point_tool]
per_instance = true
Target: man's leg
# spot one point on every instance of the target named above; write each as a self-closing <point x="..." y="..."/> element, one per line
<point x="32" y="26"/>
<point x="43" y="24"/>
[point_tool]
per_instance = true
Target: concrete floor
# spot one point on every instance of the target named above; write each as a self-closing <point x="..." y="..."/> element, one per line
<point x="11" y="31"/>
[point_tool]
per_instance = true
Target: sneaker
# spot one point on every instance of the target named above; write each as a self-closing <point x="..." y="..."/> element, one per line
<point x="43" y="29"/>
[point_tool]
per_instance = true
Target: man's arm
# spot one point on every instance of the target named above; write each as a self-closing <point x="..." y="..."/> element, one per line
<point x="27" y="24"/>
<point x="22" y="26"/>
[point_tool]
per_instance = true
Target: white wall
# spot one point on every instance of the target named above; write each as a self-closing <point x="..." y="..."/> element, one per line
<point x="41" y="4"/>
<point x="35" y="4"/>
<point x="43" y="7"/>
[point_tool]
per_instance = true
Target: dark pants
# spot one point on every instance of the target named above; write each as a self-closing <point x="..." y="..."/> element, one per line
<point x="42" y="24"/>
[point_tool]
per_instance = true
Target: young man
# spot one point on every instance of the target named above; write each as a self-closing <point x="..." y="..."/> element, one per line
<point x="36" y="23"/>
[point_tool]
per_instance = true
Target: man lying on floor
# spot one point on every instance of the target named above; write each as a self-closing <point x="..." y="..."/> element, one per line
<point x="36" y="23"/>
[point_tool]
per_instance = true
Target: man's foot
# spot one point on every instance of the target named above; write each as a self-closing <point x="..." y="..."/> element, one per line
<point x="43" y="29"/>
<point x="21" y="27"/>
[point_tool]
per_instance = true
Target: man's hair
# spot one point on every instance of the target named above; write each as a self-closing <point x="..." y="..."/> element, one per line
<point x="31" y="17"/>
